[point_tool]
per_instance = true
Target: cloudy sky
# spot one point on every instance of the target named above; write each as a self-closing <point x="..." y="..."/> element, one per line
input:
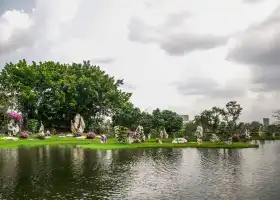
<point x="183" y="55"/>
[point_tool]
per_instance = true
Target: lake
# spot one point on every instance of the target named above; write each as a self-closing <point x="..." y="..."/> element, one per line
<point x="65" y="172"/>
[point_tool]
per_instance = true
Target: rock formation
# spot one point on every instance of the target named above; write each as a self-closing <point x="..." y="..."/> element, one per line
<point x="78" y="126"/>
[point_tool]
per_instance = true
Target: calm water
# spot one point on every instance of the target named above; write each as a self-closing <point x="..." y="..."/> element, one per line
<point x="74" y="173"/>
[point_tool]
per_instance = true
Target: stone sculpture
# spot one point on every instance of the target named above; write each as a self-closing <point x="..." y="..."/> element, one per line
<point x="149" y="136"/>
<point x="41" y="134"/>
<point x="103" y="139"/>
<point x="161" y="136"/>
<point x="247" y="134"/>
<point x="116" y="131"/>
<point x="48" y="134"/>
<point x="14" y="124"/>
<point x="199" y="132"/>
<point x="215" y="138"/>
<point x="165" y="135"/>
<point x="130" y="138"/>
<point x="199" y="141"/>
<point x="41" y="130"/>
<point x="140" y="134"/>
<point x="78" y="126"/>
<point x="13" y="128"/>
<point x="229" y="141"/>
<point x="261" y="134"/>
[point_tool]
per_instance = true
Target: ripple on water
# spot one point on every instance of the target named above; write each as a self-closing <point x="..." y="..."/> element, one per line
<point x="70" y="173"/>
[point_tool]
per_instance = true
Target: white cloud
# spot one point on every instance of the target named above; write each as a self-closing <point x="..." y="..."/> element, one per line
<point x="104" y="31"/>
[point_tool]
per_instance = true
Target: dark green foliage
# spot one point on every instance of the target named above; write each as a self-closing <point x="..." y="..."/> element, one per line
<point x="188" y="129"/>
<point x="127" y="115"/>
<point x="33" y="125"/>
<point x="235" y="138"/>
<point x="5" y="100"/>
<point x="53" y="93"/>
<point x="212" y="119"/>
<point x="171" y="120"/>
<point x="130" y="116"/>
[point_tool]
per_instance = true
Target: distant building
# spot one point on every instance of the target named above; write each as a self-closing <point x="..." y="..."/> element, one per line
<point x="185" y="118"/>
<point x="265" y="121"/>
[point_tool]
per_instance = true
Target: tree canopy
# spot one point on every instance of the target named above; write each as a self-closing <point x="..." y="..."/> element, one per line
<point x="54" y="92"/>
<point x="130" y="116"/>
<point x="221" y="119"/>
<point x="4" y="105"/>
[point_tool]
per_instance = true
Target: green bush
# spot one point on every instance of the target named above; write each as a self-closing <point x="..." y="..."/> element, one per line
<point x="235" y="138"/>
<point x="41" y="136"/>
<point x="33" y="125"/>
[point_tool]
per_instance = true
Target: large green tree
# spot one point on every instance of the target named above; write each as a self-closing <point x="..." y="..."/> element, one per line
<point x="146" y="120"/>
<point x="4" y="105"/>
<point x="233" y="111"/>
<point x="54" y="92"/>
<point x="167" y="119"/>
<point x="210" y="119"/>
<point x="130" y="116"/>
<point x="189" y="128"/>
<point x="127" y="115"/>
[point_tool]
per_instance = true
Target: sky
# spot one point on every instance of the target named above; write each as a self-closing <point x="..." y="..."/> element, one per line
<point x="182" y="55"/>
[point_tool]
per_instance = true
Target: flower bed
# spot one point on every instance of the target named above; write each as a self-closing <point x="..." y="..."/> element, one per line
<point x="90" y="135"/>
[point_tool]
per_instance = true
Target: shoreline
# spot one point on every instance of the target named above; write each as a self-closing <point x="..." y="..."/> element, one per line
<point x="112" y="144"/>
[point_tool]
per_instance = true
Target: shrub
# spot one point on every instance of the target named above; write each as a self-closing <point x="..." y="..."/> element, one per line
<point x="242" y="138"/>
<point x="23" y="135"/>
<point x="158" y="140"/>
<point x="33" y="125"/>
<point x="78" y="134"/>
<point x="235" y="138"/>
<point x="41" y="136"/>
<point x="90" y="135"/>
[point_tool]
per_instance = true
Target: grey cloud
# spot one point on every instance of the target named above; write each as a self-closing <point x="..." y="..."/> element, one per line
<point x="209" y="88"/>
<point x="103" y="60"/>
<point x="27" y="38"/>
<point x="259" y="48"/>
<point x="179" y="43"/>
<point x="26" y="5"/>
<point x="253" y="1"/>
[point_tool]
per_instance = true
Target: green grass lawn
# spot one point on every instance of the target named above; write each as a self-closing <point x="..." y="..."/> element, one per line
<point x="112" y="144"/>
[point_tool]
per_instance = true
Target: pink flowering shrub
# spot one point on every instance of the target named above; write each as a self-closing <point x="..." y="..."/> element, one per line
<point x="131" y="132"/>
<point x="90" y="135"/>
<point x="15" y="115"/>
<point x="23" y="135"/>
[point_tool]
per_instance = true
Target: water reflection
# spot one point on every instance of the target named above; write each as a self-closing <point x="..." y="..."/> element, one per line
<point x="66" y="172"/>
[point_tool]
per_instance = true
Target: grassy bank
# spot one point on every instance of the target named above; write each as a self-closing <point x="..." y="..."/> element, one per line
<point x="169" y="145"/>
<point x="112" y="144"/>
